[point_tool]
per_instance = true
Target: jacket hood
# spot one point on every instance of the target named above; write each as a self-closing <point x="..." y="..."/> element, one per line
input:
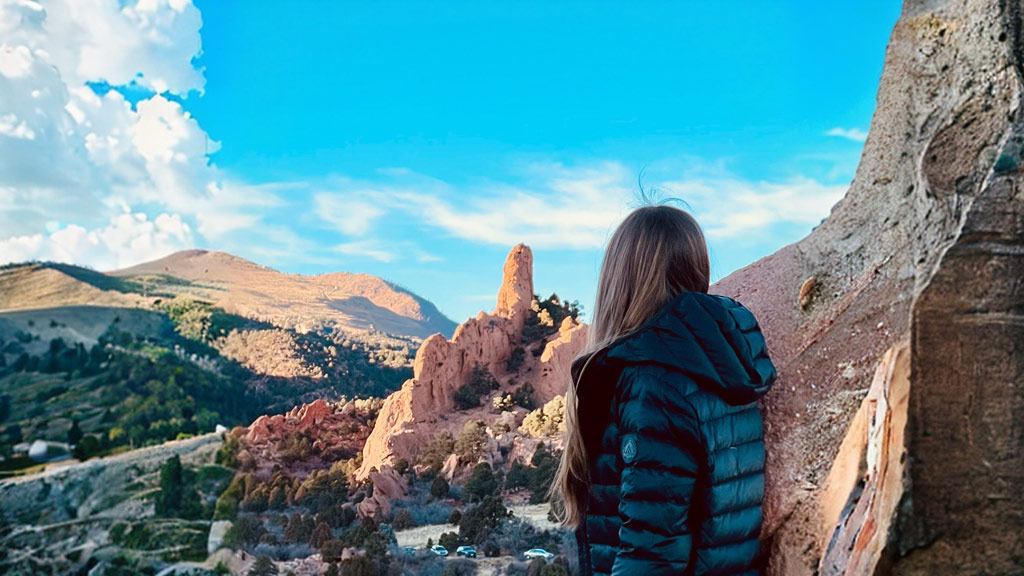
<point x="713" y="339"/>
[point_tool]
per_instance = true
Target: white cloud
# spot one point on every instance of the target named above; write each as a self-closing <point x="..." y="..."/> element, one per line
<point x="69" y="155"/>
<point x="350" y="215"/>
<point x="729" y="207"/>
<point x="562" y="207"/>
<point x="368" y="248"/>
<point x="855" y="134"/>
<point x="125" y="240"/>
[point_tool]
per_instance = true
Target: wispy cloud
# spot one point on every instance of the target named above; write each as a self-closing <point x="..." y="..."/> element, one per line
<point x="729" y="207"/>
<point x="351" y="216"/>
<point x="369" y="248"/>
<point x="558" y="207"/>
<point x="855" y="134"/>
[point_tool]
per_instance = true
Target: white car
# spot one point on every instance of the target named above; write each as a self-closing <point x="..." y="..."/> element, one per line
<point x="538" y="553"/>
<point x="439" y="550"/>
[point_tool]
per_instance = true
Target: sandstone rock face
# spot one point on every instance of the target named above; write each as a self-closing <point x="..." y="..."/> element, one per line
<point x="557" y="358"/>
<point x="337" y="433"/>
<point x="516" y="285"/>
<point x="424" y="404"/>
<point x="387" y="484"/>
<point x="926" y="248"/>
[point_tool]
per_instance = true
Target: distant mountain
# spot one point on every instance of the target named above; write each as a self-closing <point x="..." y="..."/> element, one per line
<point x="355" y="302"/>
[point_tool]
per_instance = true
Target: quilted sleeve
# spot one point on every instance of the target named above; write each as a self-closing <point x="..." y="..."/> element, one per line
<point x="660" y="449"/>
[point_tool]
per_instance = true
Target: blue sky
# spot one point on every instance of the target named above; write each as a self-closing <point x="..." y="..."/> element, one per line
<point x="420" y="141"/>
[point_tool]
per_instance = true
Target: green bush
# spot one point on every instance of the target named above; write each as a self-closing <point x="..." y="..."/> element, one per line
<point x="449" y="540"/>
<point x="469" y="445"/>
<point x="465" y="397"/>
<point x="437" y="450"/>
<point x="439" y="487"/>
<point x="479" y="521"/>
<point x="523" y="396"/>
<point x="481" y="483"/>
<point x="455" y="517"/>
<point x="402" y="520"/>
<point x="481" y="381"/>
<point x="263" y="566"/>
<point x="515" y="359"/>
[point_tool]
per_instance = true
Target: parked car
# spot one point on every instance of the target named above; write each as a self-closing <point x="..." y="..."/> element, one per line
<point x="439" y="550"/>
<point x="467" y="551"/>
<point x="538" y="553"/>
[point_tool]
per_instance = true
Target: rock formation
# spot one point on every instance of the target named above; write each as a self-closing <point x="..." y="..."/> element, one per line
<point x="334" y="432"/>
<point x="920" y="263"/>
<point x="425" y="404"/>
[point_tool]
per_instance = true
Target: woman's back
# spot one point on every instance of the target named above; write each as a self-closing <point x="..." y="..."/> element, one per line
<point x="674" y="442"/>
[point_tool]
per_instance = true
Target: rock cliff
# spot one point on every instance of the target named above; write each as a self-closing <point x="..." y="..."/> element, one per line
<point x="425" y="403"/>
<point x="920" y="263"/>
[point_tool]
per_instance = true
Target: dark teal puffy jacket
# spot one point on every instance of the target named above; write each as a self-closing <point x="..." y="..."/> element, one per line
<point x="675" y="443"/>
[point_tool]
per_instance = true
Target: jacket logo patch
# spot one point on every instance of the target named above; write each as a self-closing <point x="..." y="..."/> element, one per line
<point x="628" y="449"/>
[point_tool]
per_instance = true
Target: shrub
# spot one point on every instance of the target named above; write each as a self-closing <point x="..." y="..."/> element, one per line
<point x="437" y="450"/>
<point x="501" y="403"/>
<point x="358" y="566"/>
<point x="549" y="420"/>
<point x="321" y="534"/>
<point x="402" y="466"/>
<point x="299" y="528"/>
<point x="518" y="476"/>
<point x="402" y="519"/>
<point x="455" y="517"/>
<point x="263" y="567"/>
<point x="479" y="521"/>
<point x="481" y="381"/>
<point x="331" y="550"/>
<point x="515" y="359"/>
<point x="481" y="483"/>
<point x="465" y="397"/>
<point x="439" y="487"/>
<point x="523" y="396"/>
<point x="459" y="567"/>
<point x="244" y="531"/>
<point x="469" y="445"/>
<point x="449" y="540"/>
<point x="535" y="567"/>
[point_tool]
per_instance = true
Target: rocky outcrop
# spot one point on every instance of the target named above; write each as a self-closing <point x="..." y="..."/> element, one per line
<point x="387" y="485"/>
<point x="557" y="357"/>
<point x="924" y="249"/>
<point x="307" y="437"/>
<point x="516" y="290"/>
<point x="424" y="404"/>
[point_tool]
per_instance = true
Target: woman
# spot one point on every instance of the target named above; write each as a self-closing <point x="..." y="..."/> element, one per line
<point x="663" y="467"/>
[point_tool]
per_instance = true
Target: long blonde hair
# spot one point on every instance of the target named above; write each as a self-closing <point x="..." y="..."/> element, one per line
<point x="656" y="253"/>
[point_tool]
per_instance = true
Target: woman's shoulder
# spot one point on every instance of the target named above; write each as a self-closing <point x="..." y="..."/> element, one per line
<point x="657" y="384"/>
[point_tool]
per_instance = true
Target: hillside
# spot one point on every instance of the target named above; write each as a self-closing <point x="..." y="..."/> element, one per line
<point x="352" y="301"/>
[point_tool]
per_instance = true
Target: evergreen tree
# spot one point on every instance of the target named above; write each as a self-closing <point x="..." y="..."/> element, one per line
<point x="469" y="445"/>
<point x="481" y="483"/>
<point x="168" y="502"/>
<point x="75" y="433"/>
<point x="321" y="534"/>
<point x="263" y="567"/>
<point x="439" y="487"/>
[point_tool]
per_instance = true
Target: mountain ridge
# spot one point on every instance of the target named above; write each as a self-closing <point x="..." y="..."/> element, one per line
<point x="349" y="300"/>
